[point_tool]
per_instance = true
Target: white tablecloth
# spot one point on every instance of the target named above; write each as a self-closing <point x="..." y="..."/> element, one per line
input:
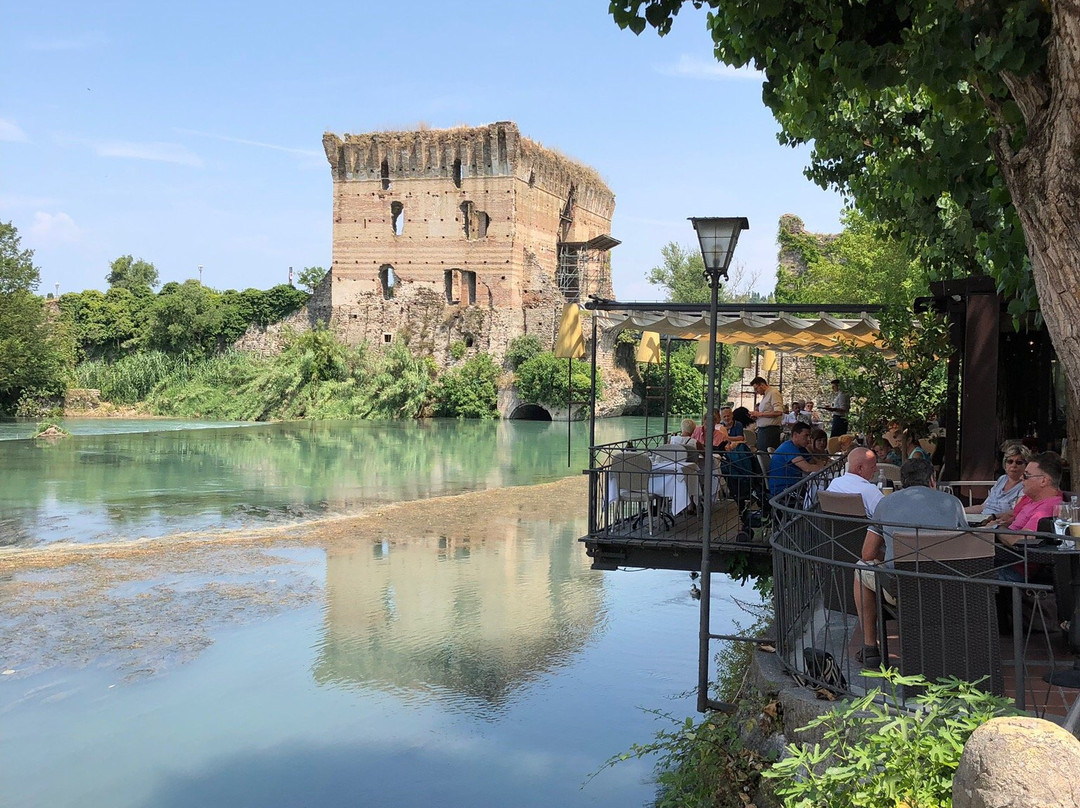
<point x="672" y="480"/>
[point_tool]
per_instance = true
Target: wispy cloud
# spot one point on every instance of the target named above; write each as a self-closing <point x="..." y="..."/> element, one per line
<point x="258" y="144"/>
<point x="695" y="67"/>
<point x="155" y="151"/>
<point x="74" y="42"/>
<point x="54" y="227"/>
<point x="11" y="132"/>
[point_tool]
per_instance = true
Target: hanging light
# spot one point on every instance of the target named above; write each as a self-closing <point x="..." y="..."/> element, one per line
<point x="769" y="361"/>
<point x="742" y="357"/>
<point x="570" y="343"/>
<point x="648" y="350"/>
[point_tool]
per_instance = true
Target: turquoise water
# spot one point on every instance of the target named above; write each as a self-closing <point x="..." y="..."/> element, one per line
<point x="120" y="483"/>
<point x="428" y="668"/>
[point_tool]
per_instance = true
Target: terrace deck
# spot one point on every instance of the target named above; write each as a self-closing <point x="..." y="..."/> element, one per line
<point x="675" y="545"/>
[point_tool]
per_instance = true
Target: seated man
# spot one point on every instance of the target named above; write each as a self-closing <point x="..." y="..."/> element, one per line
<point x="917" y="504"/>
<point x="861" y="468"/>
<point x="1041" y="480"/>
<point x="792" y="460"/>
<point x="1042" y="492"/>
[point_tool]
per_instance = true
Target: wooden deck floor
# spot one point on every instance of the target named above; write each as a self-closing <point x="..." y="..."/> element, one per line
<point x="675" y="544"/>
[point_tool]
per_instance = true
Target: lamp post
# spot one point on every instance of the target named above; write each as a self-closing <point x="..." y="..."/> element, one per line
<point x="718" y="237"/>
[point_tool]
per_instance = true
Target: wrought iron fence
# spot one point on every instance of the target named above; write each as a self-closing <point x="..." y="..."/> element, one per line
<point x="942" y="608"/>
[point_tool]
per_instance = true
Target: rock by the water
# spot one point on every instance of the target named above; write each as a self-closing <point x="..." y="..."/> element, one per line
<point x="51" y="432"/>
<point x="1018" y="761"/>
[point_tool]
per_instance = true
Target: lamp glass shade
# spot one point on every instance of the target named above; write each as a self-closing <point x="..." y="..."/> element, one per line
<point x="718" y="237"/>
<point x="570" y="343"/>
<point x="648" y="350"/>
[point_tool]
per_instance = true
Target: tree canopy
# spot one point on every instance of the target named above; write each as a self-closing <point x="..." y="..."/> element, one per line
<point x="310" y="277"/>
<point x="956" y="123"/>
<point x="35" y="354"/>
<point x="135" y="275"/>
<point x="17" y="270"/>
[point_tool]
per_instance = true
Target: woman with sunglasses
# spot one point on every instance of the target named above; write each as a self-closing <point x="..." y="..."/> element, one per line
<point x="1042" y="491"/>
<point x="1009" y="486"/>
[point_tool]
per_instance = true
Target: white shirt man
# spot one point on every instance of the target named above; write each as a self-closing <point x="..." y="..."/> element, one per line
<point x="861" y="468"/>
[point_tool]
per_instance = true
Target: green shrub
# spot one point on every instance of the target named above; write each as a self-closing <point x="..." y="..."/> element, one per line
<point x="469" y="391"/>
<point x="521" y="350"/>
<point x="686" y="395"/>
<point x="873" y="755"/>
<point x="543" y="380"/>
<point x="127" y="380"/>
<point x="457" y="349"/>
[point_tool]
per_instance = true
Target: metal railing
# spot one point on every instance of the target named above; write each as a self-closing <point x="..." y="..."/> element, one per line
<point x="646" y="487"/>
<point x="942" y="608"/>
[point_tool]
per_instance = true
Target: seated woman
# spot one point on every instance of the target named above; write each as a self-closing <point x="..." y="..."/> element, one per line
<point x="1042" y="492"/>
<point x="819" y="444"/>
<point x="1010" y="485"/>
<point x="720" y="433"/>
<point x="687" y="427"/>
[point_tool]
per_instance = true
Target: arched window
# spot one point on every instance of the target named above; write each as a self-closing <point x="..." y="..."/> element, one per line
<point x="384" y="173"/>
<point x="387" y="280"/>
<point x="457" y="173"/>
<point x="397" y="217"/>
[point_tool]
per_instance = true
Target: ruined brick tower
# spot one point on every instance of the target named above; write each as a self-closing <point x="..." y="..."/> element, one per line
<point x="471" y="234"/>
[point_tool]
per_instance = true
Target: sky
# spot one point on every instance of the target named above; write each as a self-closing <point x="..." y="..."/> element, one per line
<point x="191" y="134"/>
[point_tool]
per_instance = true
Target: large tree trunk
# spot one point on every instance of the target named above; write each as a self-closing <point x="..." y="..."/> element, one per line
<point x="1044" y="180"/>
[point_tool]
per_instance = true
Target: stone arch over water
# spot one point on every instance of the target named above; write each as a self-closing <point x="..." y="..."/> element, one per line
<point x="530" y="412"/>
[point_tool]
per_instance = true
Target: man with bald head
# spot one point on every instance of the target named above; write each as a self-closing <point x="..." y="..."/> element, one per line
<point x="861" y="468"/>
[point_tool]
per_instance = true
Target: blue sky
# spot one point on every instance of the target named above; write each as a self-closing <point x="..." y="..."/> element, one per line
<point x="191" y="134"/>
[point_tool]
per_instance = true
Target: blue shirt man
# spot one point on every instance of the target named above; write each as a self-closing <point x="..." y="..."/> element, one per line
<point x="791" y="460"/>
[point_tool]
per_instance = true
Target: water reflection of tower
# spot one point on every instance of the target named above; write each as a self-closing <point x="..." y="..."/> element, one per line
<point x="478" y="616"/>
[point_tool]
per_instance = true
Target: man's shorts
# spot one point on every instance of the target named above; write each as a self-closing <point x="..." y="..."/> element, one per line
<point x="867" y="575"/>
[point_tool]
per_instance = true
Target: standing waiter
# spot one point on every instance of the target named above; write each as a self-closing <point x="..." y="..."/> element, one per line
<point x="768" y="414"/>
<point x="839" y="409"/>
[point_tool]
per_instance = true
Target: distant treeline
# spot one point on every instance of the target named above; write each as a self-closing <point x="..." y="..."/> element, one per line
<point x="183" y="319"/>
<point x="170" y="352"/>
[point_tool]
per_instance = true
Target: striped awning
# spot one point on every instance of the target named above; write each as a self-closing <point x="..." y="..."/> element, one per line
<point x="784" y="332"/>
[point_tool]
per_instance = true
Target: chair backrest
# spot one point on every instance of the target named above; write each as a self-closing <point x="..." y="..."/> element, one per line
<point x="889" y="471"/>
<point x="764" y="460"/>
<point x="632" y="471"/>
<point x="751" y="439"/>
<point x="841" y="504"/>
<point x="940" y="545"/>
<point x="948" y="627"/>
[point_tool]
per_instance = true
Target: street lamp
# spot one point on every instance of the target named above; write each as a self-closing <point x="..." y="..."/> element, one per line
<point x="718" y="237"/>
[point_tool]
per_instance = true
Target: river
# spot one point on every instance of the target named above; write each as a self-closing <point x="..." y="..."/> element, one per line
<point x="332" y="613"/>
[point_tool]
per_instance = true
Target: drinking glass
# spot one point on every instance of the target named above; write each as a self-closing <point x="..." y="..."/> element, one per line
<point x="1063" y="516"/>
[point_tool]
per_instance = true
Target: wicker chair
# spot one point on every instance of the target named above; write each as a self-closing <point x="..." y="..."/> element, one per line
<point x="632" y="471"/>
<point x="844" y="543"/>
<point x="948" y="627"/>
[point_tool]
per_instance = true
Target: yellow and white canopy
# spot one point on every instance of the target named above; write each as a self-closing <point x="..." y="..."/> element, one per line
<point x="778" y="332"/>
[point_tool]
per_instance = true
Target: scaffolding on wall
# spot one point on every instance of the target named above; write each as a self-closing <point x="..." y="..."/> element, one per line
<point x="583" y="267"/>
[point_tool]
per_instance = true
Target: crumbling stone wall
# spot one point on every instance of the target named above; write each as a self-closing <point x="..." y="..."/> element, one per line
<point x="447" y="235"/>
<point x="268" y="340"/>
